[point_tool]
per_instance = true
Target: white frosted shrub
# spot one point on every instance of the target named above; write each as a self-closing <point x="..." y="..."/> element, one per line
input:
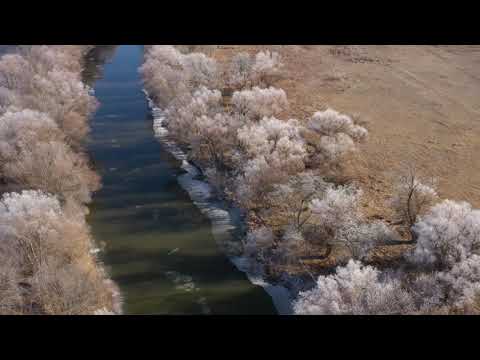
<point x="412" y="197"/>
<point x="212" y="139"/>
<point x="240" y="71"/>
<point x="334" y="147"/>
<point x="340" y="222"/>
<point x="182" y="118"/>
<point x="162" y="73"/>
<point x="354" y="290"/>
<point x="427" y="292"/>
<point x="337" y="207"/>
<point x="331" y="122"/>
<point x="7" y="99"/>
<point x="275" y="151"/>
<point x="462" y="282"/>
<point x="290" y="200"/>
<point x="47" y="57"/>
<point x="449" y="233"/>
<point x="66" y="99"/>
<point x="169" y="74"/>
<point x="201" y="70"/>
<point x="44" y="240"/>
<point x="67" y="290"/>
<point x="257" y="103"/>
<point x="362" y="237"/>
<point x="267" y="64"/>
<point x="54" y="168"/>
<point x="278" y="141"/>
<point x="15" y="72"/>
<point x="256" y="181"/>
<point x="49" y="251"/>
<point x="23" y="130"/>
<point x="33" y="227"/>
<point x="36" y="81"/>
<point x="336" y="133"/>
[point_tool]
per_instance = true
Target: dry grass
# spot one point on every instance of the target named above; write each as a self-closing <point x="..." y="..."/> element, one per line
<point x="420" y="103"/>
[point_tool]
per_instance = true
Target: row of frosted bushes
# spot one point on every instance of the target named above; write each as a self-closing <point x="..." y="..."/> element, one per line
<point x="286" y="174"/>
<point x="48" y="261"/>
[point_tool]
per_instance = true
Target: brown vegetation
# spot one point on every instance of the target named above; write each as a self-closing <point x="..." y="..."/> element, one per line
<point x="47" y="256"/>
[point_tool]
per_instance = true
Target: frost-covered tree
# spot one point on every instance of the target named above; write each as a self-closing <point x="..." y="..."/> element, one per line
<point x="15" y="72"/>
<point x="169" y="74"/>
<point x="36" y="81"/>
<point x="255" y="182"/>
<point x="274" y="150"/>
<point x="66" y="99"/>
<point x="44" y="240"/>
<point x="67" y="290"/>
<point x="363" y="290"/>
<point x="333" y="135"/>
<point x="244" y="71"/>
<point x="278" y="141"/>
<point x="213" y="141"/>
<point x="239" y="73"/>
<point x="336" y="209"/>
<point x="34" y="228"/>
<point x="356" y="290"/>
<point x="361" y="237"/>
<point x="23" y="130"/>
<point x="42" y="243"/>
<point x="448" y="234"/>
<point x="461" y="283"/>
<point x="53" y="167"/>
<point x="182" y="117"/>
<point x="47" y="57"/>
<point x="289" y="202"/>
<point x="201" y="70"/>
<point x="267" y="65"/>
<point x="258" y="103"/>
<point x="162" y="74"/>
<point x="412" y="197"/>
<point x="339" y="221"/>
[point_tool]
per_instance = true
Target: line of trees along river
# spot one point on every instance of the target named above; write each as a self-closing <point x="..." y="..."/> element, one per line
<point x="159" y="247"/>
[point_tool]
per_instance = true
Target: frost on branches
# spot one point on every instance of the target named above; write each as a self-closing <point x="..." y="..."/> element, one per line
<point x="334" y="135"/>
<point x="47" y="266"/>
<point x="412" y="196"/>
<point x="448" y="234"/>
<point x="258" y="103"/>
<point x="48" y="253"/>
<point x="354" y="290"/>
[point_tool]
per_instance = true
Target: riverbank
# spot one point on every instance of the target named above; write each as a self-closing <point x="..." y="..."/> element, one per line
<point x="157" y="245"/>
<point x="228" y="224"/>
<point x="49" y="262"/>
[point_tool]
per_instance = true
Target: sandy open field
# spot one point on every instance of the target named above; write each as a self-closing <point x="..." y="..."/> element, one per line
<point x="420" y="103"/>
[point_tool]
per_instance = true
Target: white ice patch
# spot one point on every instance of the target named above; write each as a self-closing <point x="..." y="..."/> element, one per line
<point x="185" y="283"/>
<point x="220" y="216"/>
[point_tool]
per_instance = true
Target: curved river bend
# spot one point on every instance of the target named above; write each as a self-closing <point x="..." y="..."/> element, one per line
<point x="159" y="247"/>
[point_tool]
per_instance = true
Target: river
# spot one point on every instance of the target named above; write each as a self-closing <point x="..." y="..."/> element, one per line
<point x="158" y="246"/>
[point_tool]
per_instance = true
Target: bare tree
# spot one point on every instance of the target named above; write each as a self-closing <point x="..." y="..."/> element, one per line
<point x="413" y="195"/>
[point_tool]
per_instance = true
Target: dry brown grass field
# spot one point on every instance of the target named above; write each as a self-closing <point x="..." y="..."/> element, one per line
<point x="420" y="104"/>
